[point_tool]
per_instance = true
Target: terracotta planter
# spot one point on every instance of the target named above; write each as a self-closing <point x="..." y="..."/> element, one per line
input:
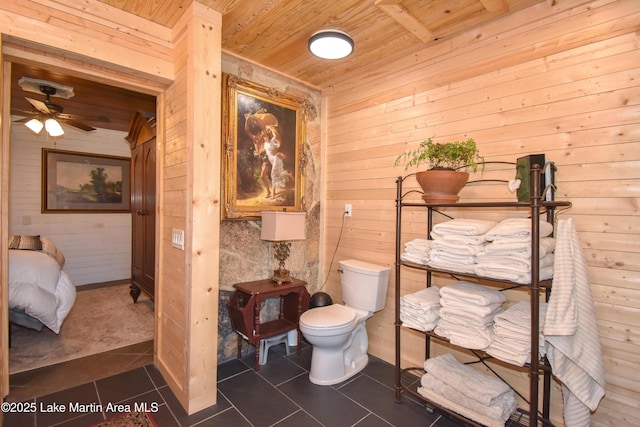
<point x="441" y="185"/>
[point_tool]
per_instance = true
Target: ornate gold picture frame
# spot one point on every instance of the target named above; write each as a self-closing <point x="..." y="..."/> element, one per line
<point x="263" y="142"/>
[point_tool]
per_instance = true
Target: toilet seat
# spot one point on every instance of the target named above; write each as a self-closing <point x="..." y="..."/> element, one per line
<point x="328" y="320"/>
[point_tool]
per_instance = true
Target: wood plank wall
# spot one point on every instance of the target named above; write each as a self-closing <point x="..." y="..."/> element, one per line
<point x="114" y="47"/>
<point x="557" y="78"/>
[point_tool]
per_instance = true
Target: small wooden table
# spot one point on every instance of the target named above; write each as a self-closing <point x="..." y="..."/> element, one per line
<point x="246" y="302"/>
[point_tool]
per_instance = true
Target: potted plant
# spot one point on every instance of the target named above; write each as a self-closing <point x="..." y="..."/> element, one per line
<point x="447" y="164"/>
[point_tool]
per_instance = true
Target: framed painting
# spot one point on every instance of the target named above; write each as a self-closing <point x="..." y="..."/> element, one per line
<point x="263" y="143"/>
<point x="84" y="183"/>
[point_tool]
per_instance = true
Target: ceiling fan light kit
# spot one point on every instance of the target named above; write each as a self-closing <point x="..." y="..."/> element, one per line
<point x="331" y="44"/>
<point x="48" y="114"/>
<point x="53" y="128"/>
<point x="34" y="125"/>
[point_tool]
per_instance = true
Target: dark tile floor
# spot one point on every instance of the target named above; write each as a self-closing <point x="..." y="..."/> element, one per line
<point x="280" y="394"/>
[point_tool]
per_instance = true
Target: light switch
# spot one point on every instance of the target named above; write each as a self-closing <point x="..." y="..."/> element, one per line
<point x="177" y="238"/>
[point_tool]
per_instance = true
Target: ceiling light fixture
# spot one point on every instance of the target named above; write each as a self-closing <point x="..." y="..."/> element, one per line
<point x="331" y="44"/>
<point x="35" y="125"/>
<point x="53" y="128"/>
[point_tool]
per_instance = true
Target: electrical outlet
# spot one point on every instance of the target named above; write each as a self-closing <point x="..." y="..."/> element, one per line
<point x="347" y="209"/>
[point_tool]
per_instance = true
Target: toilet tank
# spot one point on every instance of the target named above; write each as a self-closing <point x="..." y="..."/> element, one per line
<point x="364" y="285"/>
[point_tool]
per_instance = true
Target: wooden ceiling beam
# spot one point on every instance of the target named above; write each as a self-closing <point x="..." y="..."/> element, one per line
<point x="402" y="16"/>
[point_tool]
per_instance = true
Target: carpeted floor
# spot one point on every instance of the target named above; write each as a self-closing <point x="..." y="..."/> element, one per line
<point x="101" y="319"/>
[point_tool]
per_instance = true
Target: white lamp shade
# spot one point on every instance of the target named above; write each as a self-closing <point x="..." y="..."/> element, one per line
<point x="280" y="226"/>
<point x="331" y="44"/>
<point x="53" y="127"/>
<point x="35" y="125"/>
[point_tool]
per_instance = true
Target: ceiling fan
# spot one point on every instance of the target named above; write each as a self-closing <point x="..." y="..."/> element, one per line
<point x="48" y="115"/>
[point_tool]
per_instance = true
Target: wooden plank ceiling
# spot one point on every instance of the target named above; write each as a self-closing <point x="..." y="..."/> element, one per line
<point x="275" y="33"/>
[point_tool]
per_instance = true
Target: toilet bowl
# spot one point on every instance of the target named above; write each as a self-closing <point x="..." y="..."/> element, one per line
<point x="337" y="332"/>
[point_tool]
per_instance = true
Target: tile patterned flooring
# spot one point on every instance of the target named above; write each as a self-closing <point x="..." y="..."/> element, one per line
<point x="280" y="394"/>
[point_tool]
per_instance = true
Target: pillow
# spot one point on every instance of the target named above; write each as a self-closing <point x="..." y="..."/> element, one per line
<point x="28" y="243"/>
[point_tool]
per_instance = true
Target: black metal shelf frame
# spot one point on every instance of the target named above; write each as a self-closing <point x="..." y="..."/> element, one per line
<point x="405" y="378"/>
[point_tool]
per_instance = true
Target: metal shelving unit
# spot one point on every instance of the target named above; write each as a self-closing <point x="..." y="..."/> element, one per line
<point x="408" y="379"/>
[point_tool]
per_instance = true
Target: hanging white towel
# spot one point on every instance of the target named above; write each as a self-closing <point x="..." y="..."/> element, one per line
<point x="571" y="330"/>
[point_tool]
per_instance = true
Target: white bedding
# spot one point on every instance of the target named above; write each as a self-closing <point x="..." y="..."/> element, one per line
<point x="38" y="286"/>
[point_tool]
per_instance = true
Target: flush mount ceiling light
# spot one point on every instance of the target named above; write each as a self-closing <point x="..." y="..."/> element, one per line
<point x="331" y="44"/>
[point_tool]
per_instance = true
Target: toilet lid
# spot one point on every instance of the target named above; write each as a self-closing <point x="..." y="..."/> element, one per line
<point x="330" y="316"/>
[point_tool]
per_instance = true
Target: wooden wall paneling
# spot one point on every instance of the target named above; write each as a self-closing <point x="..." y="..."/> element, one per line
<point x="576" y="101"/>
<point x="203" y="224"/>
<point x="93" y="35"/>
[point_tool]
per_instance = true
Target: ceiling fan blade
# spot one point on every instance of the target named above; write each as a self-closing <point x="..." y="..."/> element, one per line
<point x="22" y="120"/>
<point x="101" y="119"/>
<point x="77" y="124"/>
<point x="39" y="105"/>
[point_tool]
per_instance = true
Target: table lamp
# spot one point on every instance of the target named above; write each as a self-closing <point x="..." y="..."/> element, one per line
<point x="279" y="228"/>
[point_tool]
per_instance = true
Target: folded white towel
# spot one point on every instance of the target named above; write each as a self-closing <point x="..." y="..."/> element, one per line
<point x="517" y="230"/>
<point x="514" y="352"/>
<point x="441" y="245"/>
<point x="519" y="249"/>
<point x="464" y="226"/>
<point x="452" y="266"/>
<point x="482" y="387"/>
<point x="419" y="244"/>
<point x="517" y="264"/>
<point x="463" y="317"/>
<point x="464" y="335"/>
<point x="422" y="322"/>
<point x="516" y="320"/>
<point x="473" y="293"/>
<point x="415" y="258"/>
<point x="497" y="272"/>
<point x="451" y="258"/>
<point x="454" y="406"/>
<point x="418" y="326"/>
<point x="470" y="309"/>
<point x="501" y="410"/>
<point x="424" y="298"/>
<point x="456" y="238"/>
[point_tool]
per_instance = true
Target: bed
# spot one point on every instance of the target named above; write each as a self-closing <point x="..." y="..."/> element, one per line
<point x="40" y="293"/>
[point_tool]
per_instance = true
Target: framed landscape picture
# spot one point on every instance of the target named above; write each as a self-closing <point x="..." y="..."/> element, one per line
<point x="263" y="140"/>
<point x="83" y="182"/>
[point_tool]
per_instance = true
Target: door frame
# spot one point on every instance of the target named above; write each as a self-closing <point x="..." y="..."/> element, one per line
<point x="49" y="59"/>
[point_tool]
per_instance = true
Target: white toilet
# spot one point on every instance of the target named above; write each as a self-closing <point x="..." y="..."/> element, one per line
<point x="337" y="332"/>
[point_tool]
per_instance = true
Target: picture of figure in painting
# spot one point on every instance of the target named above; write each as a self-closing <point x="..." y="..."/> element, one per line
<point x="266" y="153"/>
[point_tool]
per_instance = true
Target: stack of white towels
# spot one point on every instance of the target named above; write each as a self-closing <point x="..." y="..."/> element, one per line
<point x="508" y="255"/>
<point x="456" y="242"/>
<point x="467" y="391"/>
<point x="511" y="340"/>
<point x="417" y="250"/>
<point x="420" y="310"/>
<point x="467" y="313"/>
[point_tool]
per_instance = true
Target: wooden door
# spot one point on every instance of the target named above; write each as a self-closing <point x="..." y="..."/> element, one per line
<point x="143" y="207"/>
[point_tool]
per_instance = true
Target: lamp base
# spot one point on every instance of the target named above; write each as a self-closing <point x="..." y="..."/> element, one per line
<point x="281" y="276"/>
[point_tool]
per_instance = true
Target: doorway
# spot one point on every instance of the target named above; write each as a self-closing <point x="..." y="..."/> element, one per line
<point x="120" y="101"/>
